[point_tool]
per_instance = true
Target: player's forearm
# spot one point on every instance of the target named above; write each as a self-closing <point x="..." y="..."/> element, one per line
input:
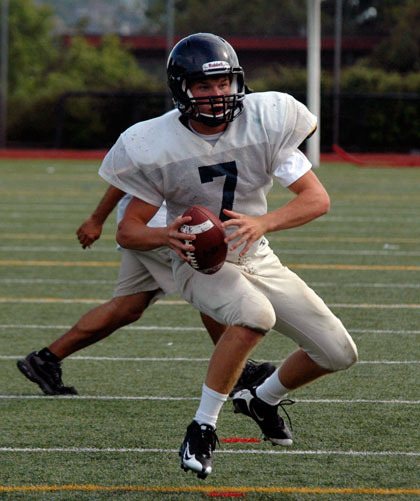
<point x="133" y="235"/>
<point x="307" y="206"/>
<point x="106" y="205"/>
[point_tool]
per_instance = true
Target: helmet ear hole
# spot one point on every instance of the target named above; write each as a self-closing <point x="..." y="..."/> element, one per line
<point x="201" y="56"/>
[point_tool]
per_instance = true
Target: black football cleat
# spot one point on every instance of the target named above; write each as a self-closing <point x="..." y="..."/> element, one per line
<point x="197" y="449"/>
<point x="47" y="375"/>
<point x="253" y="375"/>
<point x="266" y="416"/>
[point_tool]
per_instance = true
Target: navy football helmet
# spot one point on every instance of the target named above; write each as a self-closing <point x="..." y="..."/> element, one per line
<point x="199" y="56"/>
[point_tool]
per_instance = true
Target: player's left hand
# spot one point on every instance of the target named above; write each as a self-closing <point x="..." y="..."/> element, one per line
<point x="88" y="232"/>
<point x="250" y="229"/>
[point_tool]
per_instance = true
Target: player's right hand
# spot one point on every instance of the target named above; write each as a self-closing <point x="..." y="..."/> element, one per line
<point x="178" y="241"/>
<point x="88" y="232"/>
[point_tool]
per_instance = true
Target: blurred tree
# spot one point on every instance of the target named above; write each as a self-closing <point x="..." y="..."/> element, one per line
<point x="42" y="69"/>
<point x="38" y="59"/>
<point x="233" y="17"/>
<point x="268" y="18"/>
<point x="98" y="16"/>
<point x="107" y="67"/>
<point x="31" y="45"/>
<point x="401" y="49"/>
<point x="362" y="17"/>
<point x="396" y="20"/>
<point x="226" y="17"/>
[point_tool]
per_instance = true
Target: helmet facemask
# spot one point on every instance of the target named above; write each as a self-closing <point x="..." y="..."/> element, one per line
<point x="223" y="108"/>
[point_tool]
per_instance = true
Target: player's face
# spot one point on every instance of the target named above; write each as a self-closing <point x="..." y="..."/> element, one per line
<point x="212" y="86"/>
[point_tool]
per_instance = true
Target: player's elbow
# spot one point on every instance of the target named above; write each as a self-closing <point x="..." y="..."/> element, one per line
<point x="323" y="203"/>
<point x="138" y="236"/>
<point x="123" y="236"/>
<point x="320" y="203"/>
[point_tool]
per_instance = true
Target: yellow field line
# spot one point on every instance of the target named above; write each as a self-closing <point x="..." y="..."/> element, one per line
<point x="351" y="267"/>
<point x="297" y="266"/>
<point x="40" y="236"/>
<point x="85" y="264"/>
<point x="304" y="238"/>
<point x="335" y="238"/>
<point x="52" y="300"/>
<point x="211" y="489"/>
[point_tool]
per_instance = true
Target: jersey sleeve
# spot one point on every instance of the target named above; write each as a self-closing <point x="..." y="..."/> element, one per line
<point x="295" y="124"/>
<point x="119" y="169"/>
<point x="294" y="167"/>
<point x="299" y="122"/>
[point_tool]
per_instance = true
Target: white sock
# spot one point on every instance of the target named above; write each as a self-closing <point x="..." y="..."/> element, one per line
<point x="210" y="405"/>
<point x="271" y="391"/>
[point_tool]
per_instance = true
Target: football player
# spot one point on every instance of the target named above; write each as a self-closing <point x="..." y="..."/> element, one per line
<point x="143" y="278"/>
<point x="222" y="149"/>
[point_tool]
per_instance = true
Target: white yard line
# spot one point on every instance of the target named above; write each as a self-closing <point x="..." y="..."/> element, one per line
<point x="168" y="328"/>
<point x="167" y="398"/>
<point x="89" y="450"/>
<point x="196" y="359"/>
<point x="133" y="328"/>
<point x="355" y="285"/>
<point x="382" y="331"/>
<point x="168" y="302"/>
<point x="375" y="306"/>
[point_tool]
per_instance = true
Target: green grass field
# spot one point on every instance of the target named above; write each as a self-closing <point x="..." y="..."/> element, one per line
<point x="356" y="432"/>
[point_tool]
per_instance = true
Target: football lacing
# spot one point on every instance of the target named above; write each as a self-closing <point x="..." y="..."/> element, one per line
<point x="193" y="261"/>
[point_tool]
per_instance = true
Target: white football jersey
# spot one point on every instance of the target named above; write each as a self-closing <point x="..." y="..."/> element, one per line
<point x="161" y="159"/>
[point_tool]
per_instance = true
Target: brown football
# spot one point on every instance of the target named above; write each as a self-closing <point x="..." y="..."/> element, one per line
<point x="210" y="248"/>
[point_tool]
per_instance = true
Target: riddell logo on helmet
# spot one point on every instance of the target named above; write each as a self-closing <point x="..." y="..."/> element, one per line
<point x="216" y="65"/>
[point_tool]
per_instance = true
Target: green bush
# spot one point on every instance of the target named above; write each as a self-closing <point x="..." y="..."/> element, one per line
<point x="379" y="111"/>
<point x="354" y="79"/>
<point x="362" y="79"/>
<point x="33" y="103"/>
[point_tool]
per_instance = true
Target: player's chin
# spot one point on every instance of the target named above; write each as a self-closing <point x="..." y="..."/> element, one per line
<point x="216" y="111"/>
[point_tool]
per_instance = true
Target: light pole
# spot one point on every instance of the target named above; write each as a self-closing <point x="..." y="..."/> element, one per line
<point x="4" y="65"/>
<point x="314" y="75"/>
<point x="170" y="29"/>
<point x="337" y="70"/>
